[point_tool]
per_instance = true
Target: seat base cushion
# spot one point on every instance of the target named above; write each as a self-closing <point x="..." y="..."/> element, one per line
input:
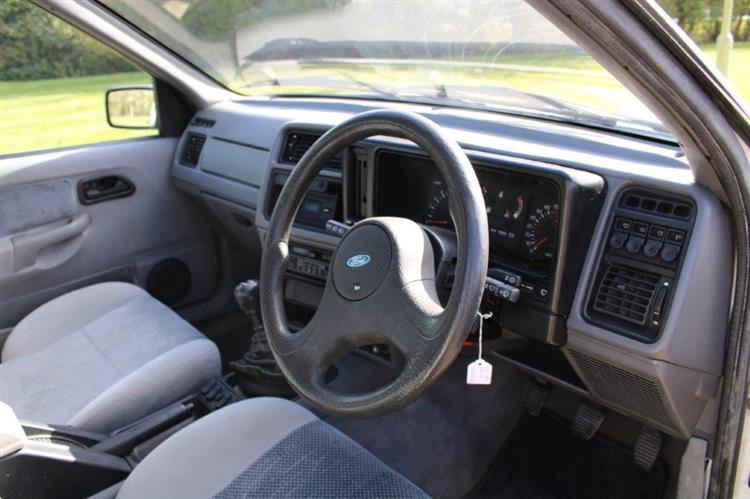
<point x="126" y="362"/>
<point x="264" y="447"/>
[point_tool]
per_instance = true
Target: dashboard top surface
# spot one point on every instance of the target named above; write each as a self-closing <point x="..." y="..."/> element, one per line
<point x="563" y="144"/>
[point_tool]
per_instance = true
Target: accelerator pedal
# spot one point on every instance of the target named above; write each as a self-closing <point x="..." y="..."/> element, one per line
<point x="587" y="421"/>
<point x="647" y="448"/>
<point x="533" y="397"/>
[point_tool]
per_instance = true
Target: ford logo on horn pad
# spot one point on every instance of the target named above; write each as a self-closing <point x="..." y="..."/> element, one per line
<point x="358" y="261"/>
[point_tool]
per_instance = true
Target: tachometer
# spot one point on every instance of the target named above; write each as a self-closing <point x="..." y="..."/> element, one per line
<point x="540" y="233"/>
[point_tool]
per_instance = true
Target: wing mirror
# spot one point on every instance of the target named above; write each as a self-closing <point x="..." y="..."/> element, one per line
<point x="132" y="107"/>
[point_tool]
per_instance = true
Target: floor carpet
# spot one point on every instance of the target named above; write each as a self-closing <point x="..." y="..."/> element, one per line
<point x="543" y="459"/>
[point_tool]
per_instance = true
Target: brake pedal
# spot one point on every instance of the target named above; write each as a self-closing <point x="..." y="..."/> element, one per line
<point x="587" y="421"/>
<point x="647" y="448"/>
<point x="533" y="397"/>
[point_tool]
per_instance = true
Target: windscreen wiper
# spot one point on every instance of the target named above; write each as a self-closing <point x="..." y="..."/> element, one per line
<point x="322" y="81"/>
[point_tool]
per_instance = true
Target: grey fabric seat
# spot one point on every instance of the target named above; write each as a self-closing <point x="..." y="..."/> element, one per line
<point x="265" y="448"/>
<point x="101" y="357"/>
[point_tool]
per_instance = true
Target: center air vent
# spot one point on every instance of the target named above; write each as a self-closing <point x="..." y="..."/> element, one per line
<point x="296" y="145"/>
<point x="191" y="153"/>
<point x="626" y="294"/>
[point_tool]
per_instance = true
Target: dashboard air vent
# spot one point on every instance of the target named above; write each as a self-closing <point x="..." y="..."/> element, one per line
<point x="650" y="203"/>
<point x="203" y="122"/>
<point x="192" y="150"/>
<point x="626" y="293"/>
<point x="296" y="145"/>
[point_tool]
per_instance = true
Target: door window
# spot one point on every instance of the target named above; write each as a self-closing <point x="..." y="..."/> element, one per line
<point x="53" y="80"/>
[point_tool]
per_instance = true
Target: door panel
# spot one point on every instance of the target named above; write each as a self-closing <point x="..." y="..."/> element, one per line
<point x="52" y="242"/>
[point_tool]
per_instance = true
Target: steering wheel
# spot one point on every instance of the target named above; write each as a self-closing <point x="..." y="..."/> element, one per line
<point x="381" y="283"/>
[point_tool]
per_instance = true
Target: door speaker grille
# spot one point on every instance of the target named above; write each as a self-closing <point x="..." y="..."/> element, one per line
<point x="623" y="388"/>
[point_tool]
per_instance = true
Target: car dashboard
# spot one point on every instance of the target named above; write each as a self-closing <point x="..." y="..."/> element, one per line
<point x="605" y="255"/>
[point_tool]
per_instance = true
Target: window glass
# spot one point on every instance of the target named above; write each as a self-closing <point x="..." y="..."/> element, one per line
<point x="721" y="28"/>
<point x="498" y="55"/>
<point x="53" y="80"/>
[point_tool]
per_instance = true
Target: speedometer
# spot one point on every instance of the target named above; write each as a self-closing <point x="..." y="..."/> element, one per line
<point x="438" y="211"/>
<point x="540" y="233"/>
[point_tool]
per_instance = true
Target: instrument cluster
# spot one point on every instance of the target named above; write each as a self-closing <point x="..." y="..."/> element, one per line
<point x="522" y="210"/>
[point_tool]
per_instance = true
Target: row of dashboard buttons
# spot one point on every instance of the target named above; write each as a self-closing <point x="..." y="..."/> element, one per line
<point x="638" y="236"/>
<point x="538" y="291"/>
<point x="643" y="229"/>
<point x="311" y="268"/>
<point x="506" y="285"/>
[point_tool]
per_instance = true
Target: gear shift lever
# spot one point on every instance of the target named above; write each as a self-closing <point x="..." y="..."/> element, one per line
<point x="257" y="372"/>
<point x="247" y="295"/>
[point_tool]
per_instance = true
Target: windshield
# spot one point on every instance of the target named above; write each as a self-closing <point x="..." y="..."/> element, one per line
<point x="496" y="55"/>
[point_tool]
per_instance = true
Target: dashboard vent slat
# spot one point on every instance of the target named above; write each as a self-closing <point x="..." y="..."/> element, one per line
<point x="191" y="153"/>
<point x="626" y="293"/>
<point x="203" y="122"/>
<point x="296" y="145"/>
<point x="652" y="203"/>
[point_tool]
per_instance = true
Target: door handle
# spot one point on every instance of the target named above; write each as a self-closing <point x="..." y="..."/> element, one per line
<point x="104" y="188"/>
<point x="27" y="247"/>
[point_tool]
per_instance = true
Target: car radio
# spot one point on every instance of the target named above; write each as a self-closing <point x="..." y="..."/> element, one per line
<point x="308" y="261"/>
<point x="320" y="204"/>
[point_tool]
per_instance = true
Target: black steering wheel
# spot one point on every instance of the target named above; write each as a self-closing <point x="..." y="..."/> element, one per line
<point x="381" y="283"/>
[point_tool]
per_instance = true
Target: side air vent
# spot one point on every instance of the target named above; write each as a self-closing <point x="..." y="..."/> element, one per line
<point x="202" y="122"/>
<point x="623" y="388"/>
<point x="626" y="293"/>
<point x="650" y="203"/>
<point x="296" y="145"/>
<point x="360" y="187"/>
<point x="191" y="153"/>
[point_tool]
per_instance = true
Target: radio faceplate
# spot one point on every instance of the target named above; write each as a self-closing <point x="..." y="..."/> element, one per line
<point x="322" y="202"/>
<point x="308" y="261"/>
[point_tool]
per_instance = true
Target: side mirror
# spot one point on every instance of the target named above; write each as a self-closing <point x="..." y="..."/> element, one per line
<point x="131" y="107"/>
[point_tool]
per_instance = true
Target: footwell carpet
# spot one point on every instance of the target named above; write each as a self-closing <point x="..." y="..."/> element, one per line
<point x="543" y="459"/>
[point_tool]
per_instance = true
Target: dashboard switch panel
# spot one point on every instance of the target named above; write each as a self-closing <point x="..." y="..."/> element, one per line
<point x="640" y="264"/>
<point x="499" y="289"/>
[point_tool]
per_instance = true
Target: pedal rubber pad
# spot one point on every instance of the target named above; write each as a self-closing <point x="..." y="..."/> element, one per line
<point x="587" y="421"/>
<point x="647" y="448"/>
<point x="533" y="397"/>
